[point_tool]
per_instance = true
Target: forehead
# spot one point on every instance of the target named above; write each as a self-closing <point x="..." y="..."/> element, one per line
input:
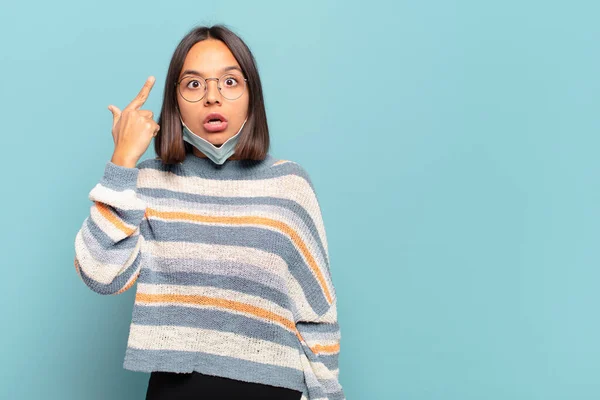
<point x="209" y="57"/>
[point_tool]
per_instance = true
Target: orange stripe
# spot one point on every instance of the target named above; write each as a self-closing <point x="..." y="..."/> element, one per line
<point x="77" y="266"/>
<point x="107" y="213"/>
<point x="280" y="162"/>
<point x="217" y="302"/>
<point x="332" y="348"/>
<point x="318" y="348"/>
<point x="223" y="303"/>
<point x="231" y="305"/>
<point x="250" y="220"/>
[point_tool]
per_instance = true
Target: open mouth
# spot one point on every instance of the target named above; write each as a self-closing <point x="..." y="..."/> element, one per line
<point x="215" y="122"/>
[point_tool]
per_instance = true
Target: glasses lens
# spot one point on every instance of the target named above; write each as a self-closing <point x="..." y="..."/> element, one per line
<point x="232" y="86"/>
<point x="192" y="88"/>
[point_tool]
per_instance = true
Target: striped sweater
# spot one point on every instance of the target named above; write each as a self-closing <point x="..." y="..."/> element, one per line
<point x="231" y="265"/>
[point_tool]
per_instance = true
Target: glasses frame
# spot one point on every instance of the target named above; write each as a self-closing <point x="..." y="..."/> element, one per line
<point x="177" y="87"/>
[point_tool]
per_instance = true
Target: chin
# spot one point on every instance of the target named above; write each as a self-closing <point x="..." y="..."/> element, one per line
<point x="218" y="138"/>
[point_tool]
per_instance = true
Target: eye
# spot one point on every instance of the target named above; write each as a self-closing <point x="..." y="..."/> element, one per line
<point x="230" y="81"/>
<point x="194" y="84"/>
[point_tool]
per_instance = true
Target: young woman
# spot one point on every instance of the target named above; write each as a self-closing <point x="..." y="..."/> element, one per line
<point x="234" y="295"/>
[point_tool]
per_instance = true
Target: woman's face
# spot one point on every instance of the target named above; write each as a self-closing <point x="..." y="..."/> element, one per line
<point x="211" y="58"/>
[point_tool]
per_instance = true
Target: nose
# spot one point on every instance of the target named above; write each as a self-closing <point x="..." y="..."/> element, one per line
<point x="212" y="92"/>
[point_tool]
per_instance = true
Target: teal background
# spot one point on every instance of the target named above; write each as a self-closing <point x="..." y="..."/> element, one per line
<point x="453" y="146"/>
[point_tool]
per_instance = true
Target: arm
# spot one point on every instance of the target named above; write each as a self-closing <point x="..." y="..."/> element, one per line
<point x="320" y="361"/>
<point x="316" y="310"/>
<point x="108" y="244"/>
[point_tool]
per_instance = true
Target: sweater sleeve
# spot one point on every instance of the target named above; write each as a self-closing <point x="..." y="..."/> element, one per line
<point x="320" y="341"/>
<point x="317" y="323"/>
<point x="108" y="244"/>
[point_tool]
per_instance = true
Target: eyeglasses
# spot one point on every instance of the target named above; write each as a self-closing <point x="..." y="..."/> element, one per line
<point x="194" y="88"/>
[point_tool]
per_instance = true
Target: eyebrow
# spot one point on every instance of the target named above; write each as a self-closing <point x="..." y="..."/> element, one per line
<point x="194" y="72"/>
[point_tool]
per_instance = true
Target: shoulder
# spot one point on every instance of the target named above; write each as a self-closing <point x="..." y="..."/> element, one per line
<point x="297" y="181"/>
<point x="293" y="168"/>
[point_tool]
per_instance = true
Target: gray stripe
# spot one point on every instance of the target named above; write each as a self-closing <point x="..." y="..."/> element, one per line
<point x="291" y="209"/>
<point x="119" y="178"/>
<point x="105" y="241"/>
<point x="229" y="367"/>
<point x="230" y="170"/>
<point x="321" y="327"/>
<point x="215" y="280"/>
<point x="248" y="236"/>
<point x="331" y="361"/>
<point x="214" y="319"/>
<point x="324" y="388"/>
<point x="223" y="267"/>
<point x="107" y="253"/>
<point x="319" y="392"/>
<point x="331" y="388"/>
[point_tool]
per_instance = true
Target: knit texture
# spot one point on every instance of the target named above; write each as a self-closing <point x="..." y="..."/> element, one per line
<point x="231" y="265"/>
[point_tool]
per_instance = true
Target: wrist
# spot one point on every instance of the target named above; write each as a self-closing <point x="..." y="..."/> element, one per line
<point x="123" y="161"/>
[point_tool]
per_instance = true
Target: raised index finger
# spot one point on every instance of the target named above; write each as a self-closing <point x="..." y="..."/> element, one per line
<point x="140" y="99"/>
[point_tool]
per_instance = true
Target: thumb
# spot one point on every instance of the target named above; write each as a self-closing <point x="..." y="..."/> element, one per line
<point x="116" y="114"/>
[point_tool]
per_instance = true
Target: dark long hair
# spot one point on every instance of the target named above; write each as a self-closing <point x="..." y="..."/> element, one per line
<point x="254" y="137"/>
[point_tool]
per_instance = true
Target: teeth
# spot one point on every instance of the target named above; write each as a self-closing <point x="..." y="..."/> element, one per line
<point x="214" y="122"/>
